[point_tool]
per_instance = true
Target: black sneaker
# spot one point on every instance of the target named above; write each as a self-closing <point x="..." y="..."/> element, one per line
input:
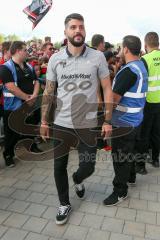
<point x="114" y="199"/>
<point x="35" y="149"/>
<point x="80" y="190"/>
<point x="63" y="214"/>
<point x="9" y="161"/>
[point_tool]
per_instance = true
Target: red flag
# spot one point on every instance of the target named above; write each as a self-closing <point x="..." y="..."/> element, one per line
<point x="37" y="10"/>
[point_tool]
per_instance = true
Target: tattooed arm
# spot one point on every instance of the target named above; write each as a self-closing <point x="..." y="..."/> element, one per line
<point x="47" y="101"/>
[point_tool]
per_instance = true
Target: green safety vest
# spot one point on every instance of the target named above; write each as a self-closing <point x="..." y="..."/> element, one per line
<point x="153" y="62"/>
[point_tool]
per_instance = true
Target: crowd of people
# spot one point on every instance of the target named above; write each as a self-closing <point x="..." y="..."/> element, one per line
<point x="98" y="93"/>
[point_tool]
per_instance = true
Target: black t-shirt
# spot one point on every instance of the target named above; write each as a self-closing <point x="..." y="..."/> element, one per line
<point x="25" y="77"/>
<point x="124" y="81"/>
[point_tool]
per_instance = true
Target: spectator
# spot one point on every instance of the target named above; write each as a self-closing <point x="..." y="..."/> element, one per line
<point x="48" y="50"/>
<point x="108" y="46"/>
<point x="6" y="55"/>
<point x="97" y="42"/>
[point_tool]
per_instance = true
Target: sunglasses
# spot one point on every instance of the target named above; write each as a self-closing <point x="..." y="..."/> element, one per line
<point x="50" y="49"/>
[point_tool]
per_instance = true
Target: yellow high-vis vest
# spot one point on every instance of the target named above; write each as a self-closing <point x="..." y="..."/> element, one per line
<point x="153" y="62"/>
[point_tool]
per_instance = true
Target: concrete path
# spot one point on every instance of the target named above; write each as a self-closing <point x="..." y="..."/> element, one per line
<point x="28" y="205"/>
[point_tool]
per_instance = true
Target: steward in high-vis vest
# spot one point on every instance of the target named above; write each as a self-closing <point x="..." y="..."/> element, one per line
<point x="150" y="130"/>
<point x="19" y="85"/>
<point x="129" y="91"/>
<point x="11" y="101"/>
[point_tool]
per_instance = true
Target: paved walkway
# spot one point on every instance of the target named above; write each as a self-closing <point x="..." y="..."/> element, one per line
<point x="28" y="205"/>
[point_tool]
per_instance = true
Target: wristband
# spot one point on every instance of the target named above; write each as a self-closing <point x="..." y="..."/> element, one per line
<point x="108" y="122"/>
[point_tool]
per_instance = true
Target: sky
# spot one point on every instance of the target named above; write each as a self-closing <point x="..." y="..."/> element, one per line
<point x="113" y="19"/>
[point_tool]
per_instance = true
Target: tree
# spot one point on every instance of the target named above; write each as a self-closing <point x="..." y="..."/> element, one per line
<point x="12" y="37"/>
<point x="57" y="45"/>
<point x="2" y="38"/>
<point x="89" y="43"/>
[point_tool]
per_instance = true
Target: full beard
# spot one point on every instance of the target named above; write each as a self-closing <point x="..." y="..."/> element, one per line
<point x="75" y="43"/>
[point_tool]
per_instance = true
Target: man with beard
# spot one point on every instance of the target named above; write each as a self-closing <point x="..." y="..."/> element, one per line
<point x="74" y="74"/>
<point x="129" y="89"/>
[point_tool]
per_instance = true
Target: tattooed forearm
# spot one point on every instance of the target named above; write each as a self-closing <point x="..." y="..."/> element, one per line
<point x="47" y="101"/>
<point x="108" y="97"/>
